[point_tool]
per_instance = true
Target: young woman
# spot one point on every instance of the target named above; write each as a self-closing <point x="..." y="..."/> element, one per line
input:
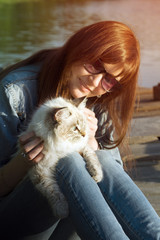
<point x="100" y="61"/>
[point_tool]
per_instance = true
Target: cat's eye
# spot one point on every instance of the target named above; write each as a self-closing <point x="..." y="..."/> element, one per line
<point x="75" y="129"/>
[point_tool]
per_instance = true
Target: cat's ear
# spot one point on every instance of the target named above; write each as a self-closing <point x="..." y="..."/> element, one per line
<point x="61" y="113"/>
<point x="80" y="102"/>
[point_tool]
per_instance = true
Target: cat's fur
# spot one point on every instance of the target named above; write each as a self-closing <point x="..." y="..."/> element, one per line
<point x="63" y="127"/>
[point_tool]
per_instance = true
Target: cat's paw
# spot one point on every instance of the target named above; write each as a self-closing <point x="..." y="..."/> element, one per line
<point x="98" y="175"/>
<point x="96" y="172"/>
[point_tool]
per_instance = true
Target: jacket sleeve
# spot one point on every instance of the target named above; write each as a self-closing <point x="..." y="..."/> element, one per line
<point x="9" y="121"/>
<point x="18" y="100"/>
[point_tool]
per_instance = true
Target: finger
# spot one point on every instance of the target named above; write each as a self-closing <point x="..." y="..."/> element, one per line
<point x="88" y="112"/>
<point x="35" y="152"/>
<point x="32" y="144"/>
<point x="38" y="158"/>
<point x="26" y="137"/>
<point x="93" y="127"/>
<point x="92" y="120"/>
<point x="92" y="123"/>
<point x="92" y="131"/>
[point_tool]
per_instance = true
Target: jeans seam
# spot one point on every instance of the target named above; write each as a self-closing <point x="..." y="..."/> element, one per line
<point x="80" y="208"/>
<point x="119" y="213"/>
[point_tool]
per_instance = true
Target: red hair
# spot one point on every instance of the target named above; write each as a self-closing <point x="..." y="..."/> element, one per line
<point x="112" y="42"/>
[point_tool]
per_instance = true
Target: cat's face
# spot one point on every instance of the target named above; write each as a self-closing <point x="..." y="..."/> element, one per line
<point x="67" y="123"/>
<point x="60" y="119"/>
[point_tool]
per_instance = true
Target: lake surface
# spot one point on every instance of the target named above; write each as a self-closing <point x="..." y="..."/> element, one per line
<point x="27" y="26"/>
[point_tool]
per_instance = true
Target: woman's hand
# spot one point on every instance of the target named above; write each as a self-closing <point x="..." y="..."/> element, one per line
<point x="93" y="125"/>
<point x="31" y="147"/>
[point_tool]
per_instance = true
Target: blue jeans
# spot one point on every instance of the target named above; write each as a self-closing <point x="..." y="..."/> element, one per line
<point x="113" y="209"/>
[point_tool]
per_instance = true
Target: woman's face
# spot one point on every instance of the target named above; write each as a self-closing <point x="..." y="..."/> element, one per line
<point x="92" y="80"/>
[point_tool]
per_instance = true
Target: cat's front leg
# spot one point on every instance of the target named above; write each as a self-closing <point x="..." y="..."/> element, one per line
<point x="92" y="164"/>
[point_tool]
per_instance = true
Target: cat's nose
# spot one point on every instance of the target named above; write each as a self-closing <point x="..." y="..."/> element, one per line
<point x="83" y="133"/>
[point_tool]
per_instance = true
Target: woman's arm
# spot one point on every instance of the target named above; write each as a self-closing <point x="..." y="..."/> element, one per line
<point x="14" y="171"/>
<point x="18" y="98"/>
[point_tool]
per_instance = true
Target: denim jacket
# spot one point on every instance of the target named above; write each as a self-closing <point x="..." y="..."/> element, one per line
<point x="18" y="100"/>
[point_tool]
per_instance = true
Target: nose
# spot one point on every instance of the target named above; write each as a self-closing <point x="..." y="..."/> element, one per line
<point x="95" y="80"/>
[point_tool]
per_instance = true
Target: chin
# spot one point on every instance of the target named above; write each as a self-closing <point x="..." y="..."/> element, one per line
<point x="77" y="94"/>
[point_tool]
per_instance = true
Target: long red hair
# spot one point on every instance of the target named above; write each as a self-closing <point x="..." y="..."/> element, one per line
<point x="112" y="42"/>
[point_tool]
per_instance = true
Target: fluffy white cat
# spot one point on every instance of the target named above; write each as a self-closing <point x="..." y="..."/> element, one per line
<point x="63" y="127"/>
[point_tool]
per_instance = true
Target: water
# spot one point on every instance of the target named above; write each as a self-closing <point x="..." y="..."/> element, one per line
<point x="27" y="26"/>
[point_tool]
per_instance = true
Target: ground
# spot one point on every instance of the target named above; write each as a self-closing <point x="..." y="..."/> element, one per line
<point x="145" y="147"/>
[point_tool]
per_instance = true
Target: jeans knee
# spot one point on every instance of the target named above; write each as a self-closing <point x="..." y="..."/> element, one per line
<point x="70" y="166"/>
<point x="70" y="162"/>
<point x="110" y="166"/>
<point x="71" y="172"/>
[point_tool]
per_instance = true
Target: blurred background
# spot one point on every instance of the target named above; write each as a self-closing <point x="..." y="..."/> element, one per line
<point x="27" y="26"/>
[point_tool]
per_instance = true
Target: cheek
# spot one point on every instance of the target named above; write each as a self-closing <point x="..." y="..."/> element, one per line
<point x="72" y="78"/>
<point x="71" y="82"/>
<point x="77" y="71"/>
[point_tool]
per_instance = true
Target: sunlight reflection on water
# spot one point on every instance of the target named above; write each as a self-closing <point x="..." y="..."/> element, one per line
<point x="27" y="27"/>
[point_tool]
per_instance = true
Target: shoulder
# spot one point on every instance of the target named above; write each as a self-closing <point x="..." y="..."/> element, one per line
<point x="20" y="82"/>
<point x="21" y="75"/>
<point x="19" y="89"/>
